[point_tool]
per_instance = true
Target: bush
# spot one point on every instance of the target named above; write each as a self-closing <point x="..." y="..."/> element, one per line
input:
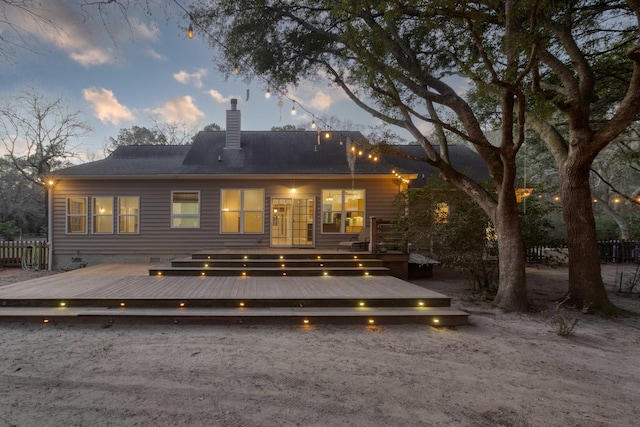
<point x="8" y="230"/>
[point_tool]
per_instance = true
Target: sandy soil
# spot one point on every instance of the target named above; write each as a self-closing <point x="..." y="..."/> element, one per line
<point x="502" y="370"/>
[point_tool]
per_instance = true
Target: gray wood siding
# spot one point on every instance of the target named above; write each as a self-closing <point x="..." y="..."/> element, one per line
<point x="156" y="237"/>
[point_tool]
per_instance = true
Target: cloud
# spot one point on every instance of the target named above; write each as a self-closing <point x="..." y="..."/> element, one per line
<point x="217" y="96"/>
<point x="321" y="101"/>
<point x="180" y="110"/>
<point x="194" y="78"/>
<point x="142" y="30"/>
<point x="106" y="107"/>
<point x="154" y="54"/>
<point x="62" y="27"/>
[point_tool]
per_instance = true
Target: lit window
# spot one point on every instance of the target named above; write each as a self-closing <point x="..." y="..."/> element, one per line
<point x="343" y="211"/>
<point x="441" y="213"/>
<point x="242" y="211"/>
<point x="128" y="215"/>
<point x="102" y="211"/>
<point x="185" y="209"/>
<point x="77" y="215"/>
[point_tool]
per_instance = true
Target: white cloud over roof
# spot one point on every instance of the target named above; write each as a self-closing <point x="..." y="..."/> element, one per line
<point x="106" y="107"/>
<point x="180" y="110"/>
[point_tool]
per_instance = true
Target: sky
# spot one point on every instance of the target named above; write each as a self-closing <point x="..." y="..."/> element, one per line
<point x="123" y="74"/>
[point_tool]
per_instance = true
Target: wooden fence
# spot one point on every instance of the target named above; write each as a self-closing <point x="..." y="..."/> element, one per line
<point x="610" y="251"/>
<point x="32" y="254"/>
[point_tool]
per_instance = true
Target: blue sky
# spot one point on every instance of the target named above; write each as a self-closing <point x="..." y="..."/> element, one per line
<point x="147" y="69"/>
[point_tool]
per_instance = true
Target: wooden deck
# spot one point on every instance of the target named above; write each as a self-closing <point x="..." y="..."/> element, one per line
<point x="99" y="291"/>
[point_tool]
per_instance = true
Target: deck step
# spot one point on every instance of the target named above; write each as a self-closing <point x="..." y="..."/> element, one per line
<point x="369" y="316"/>
<point x="268" y="271"/>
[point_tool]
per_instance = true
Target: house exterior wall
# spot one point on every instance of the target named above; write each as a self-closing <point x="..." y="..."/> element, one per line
<point x="157" y="241"/>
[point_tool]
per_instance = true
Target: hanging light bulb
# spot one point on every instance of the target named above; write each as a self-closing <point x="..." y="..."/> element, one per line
<point x="267" y="94"/>
<point x="293" y="109"/>
<point x="236" y="69"/>
<point x="190" y="31"/>
<point x="327" y="135"/>
<point x="313" y="123"/>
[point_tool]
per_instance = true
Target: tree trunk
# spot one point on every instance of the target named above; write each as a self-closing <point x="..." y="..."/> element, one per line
<point x="512" y="293"/>
<point x="586" y="288"/>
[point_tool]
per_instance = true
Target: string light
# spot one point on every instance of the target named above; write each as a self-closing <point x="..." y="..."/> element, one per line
<point x="315" y="124"/>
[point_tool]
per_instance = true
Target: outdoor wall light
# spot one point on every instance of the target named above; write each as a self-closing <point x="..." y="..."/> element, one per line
<point x="371" y="321"/>
<point x="355" y="257"/>
<point x="361" y="303"/>
<point x="366" y="273"/>
<point x="305" y="321"/>
<point x="246" y="257"/>
<point x="244" y="273"/>
<point x="241" y="304"/>
<point x="206" y="265"/>
<point x="122" y="304"/>
<point x="203" y="274"/>
<point x="181" y="305"/>
<point x="360" y="265"/>
<point x="63" y="304"/>
<point x="284" y="274"/>
<point x="281" y="257"/>
<point x="421" y="303"/>
<point x="282" y="265"/>
<point x="436" y="321"/>
<point x="325" y="274"/>
<point x="45" y="320"/>
<point x="159" y="273"/>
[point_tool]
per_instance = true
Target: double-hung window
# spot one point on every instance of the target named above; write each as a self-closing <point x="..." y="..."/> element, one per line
<point x="242" y="211"/>
<point x="77" y="215"/>
<point x="128" y="215"/>
<point x="343" y="211"/>
<point x="102" y="210"/>
<point x="185" y="209"/>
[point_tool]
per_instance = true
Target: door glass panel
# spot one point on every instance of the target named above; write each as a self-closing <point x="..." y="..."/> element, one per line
<point x="292" y="222"/>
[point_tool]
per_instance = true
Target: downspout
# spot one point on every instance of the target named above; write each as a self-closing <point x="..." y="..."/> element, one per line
<point x="50" y="227"/>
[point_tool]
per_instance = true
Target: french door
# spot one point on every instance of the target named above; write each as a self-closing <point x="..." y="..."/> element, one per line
<point x="292" y="222"/>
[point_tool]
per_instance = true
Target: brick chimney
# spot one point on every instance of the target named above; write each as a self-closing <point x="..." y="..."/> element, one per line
<point x="233" y="127"/>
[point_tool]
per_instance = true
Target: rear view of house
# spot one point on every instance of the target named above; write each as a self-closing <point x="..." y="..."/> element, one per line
<point x="233" y="188"/>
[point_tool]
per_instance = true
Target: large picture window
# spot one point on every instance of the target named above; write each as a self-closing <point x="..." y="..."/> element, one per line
<point x="185" y="209"/>
<point x="343" y="211"/>
<point x="77" y="215"/>
<point x="102" y="211"/>
<point x="242" y="211"/>
<point x="128" y="215"/>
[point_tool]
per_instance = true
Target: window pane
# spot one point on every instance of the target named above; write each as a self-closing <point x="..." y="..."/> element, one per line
<point x="354" y="200"/>
<point x="253" y="200"/>
<point x="77" y="206"/>
<point x="230" y="222"/>
<point x="230" y="200"/>
<point x="128" y="224"/>
<point x="353" y="222"/>
<point x="332" y="200"/>
<point x="128" y="205"/>
<point x="103" y="205"/>
<point x="185" y="197"/>
<point x="253" y="222"/>
<point x="77" y="224"/>
<point x="103" y="224"/>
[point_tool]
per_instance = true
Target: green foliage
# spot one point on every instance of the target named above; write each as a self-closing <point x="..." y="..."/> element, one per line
<point x="8" y="230"/>
<point x="136" y="135"/>
<point x="458" y="239"/>
<point x="288" y="128"/>
<point x="212" y="126"/>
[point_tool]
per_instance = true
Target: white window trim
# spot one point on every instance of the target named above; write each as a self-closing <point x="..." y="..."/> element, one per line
<point x="85" y="215"/>
<point x="186" y="215"/>
<point x="119" y="215"/>
<point x="344" y="210"/>
<point x="94" y="215"/>
<point x="242" y="211"/>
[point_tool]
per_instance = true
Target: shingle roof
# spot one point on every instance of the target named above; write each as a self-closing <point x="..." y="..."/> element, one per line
<point x="262" y="153"/>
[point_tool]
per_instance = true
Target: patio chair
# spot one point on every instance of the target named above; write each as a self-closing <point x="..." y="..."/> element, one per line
<point x="361" y="242"/>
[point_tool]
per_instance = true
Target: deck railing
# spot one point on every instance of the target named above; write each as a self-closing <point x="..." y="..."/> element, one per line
<point x="34" y="253"/>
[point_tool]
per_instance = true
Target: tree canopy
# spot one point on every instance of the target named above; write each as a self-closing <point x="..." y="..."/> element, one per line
<point x="403" y="63"/>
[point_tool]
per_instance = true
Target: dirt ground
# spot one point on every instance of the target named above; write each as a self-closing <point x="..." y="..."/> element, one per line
<point x="503" y="369"/>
